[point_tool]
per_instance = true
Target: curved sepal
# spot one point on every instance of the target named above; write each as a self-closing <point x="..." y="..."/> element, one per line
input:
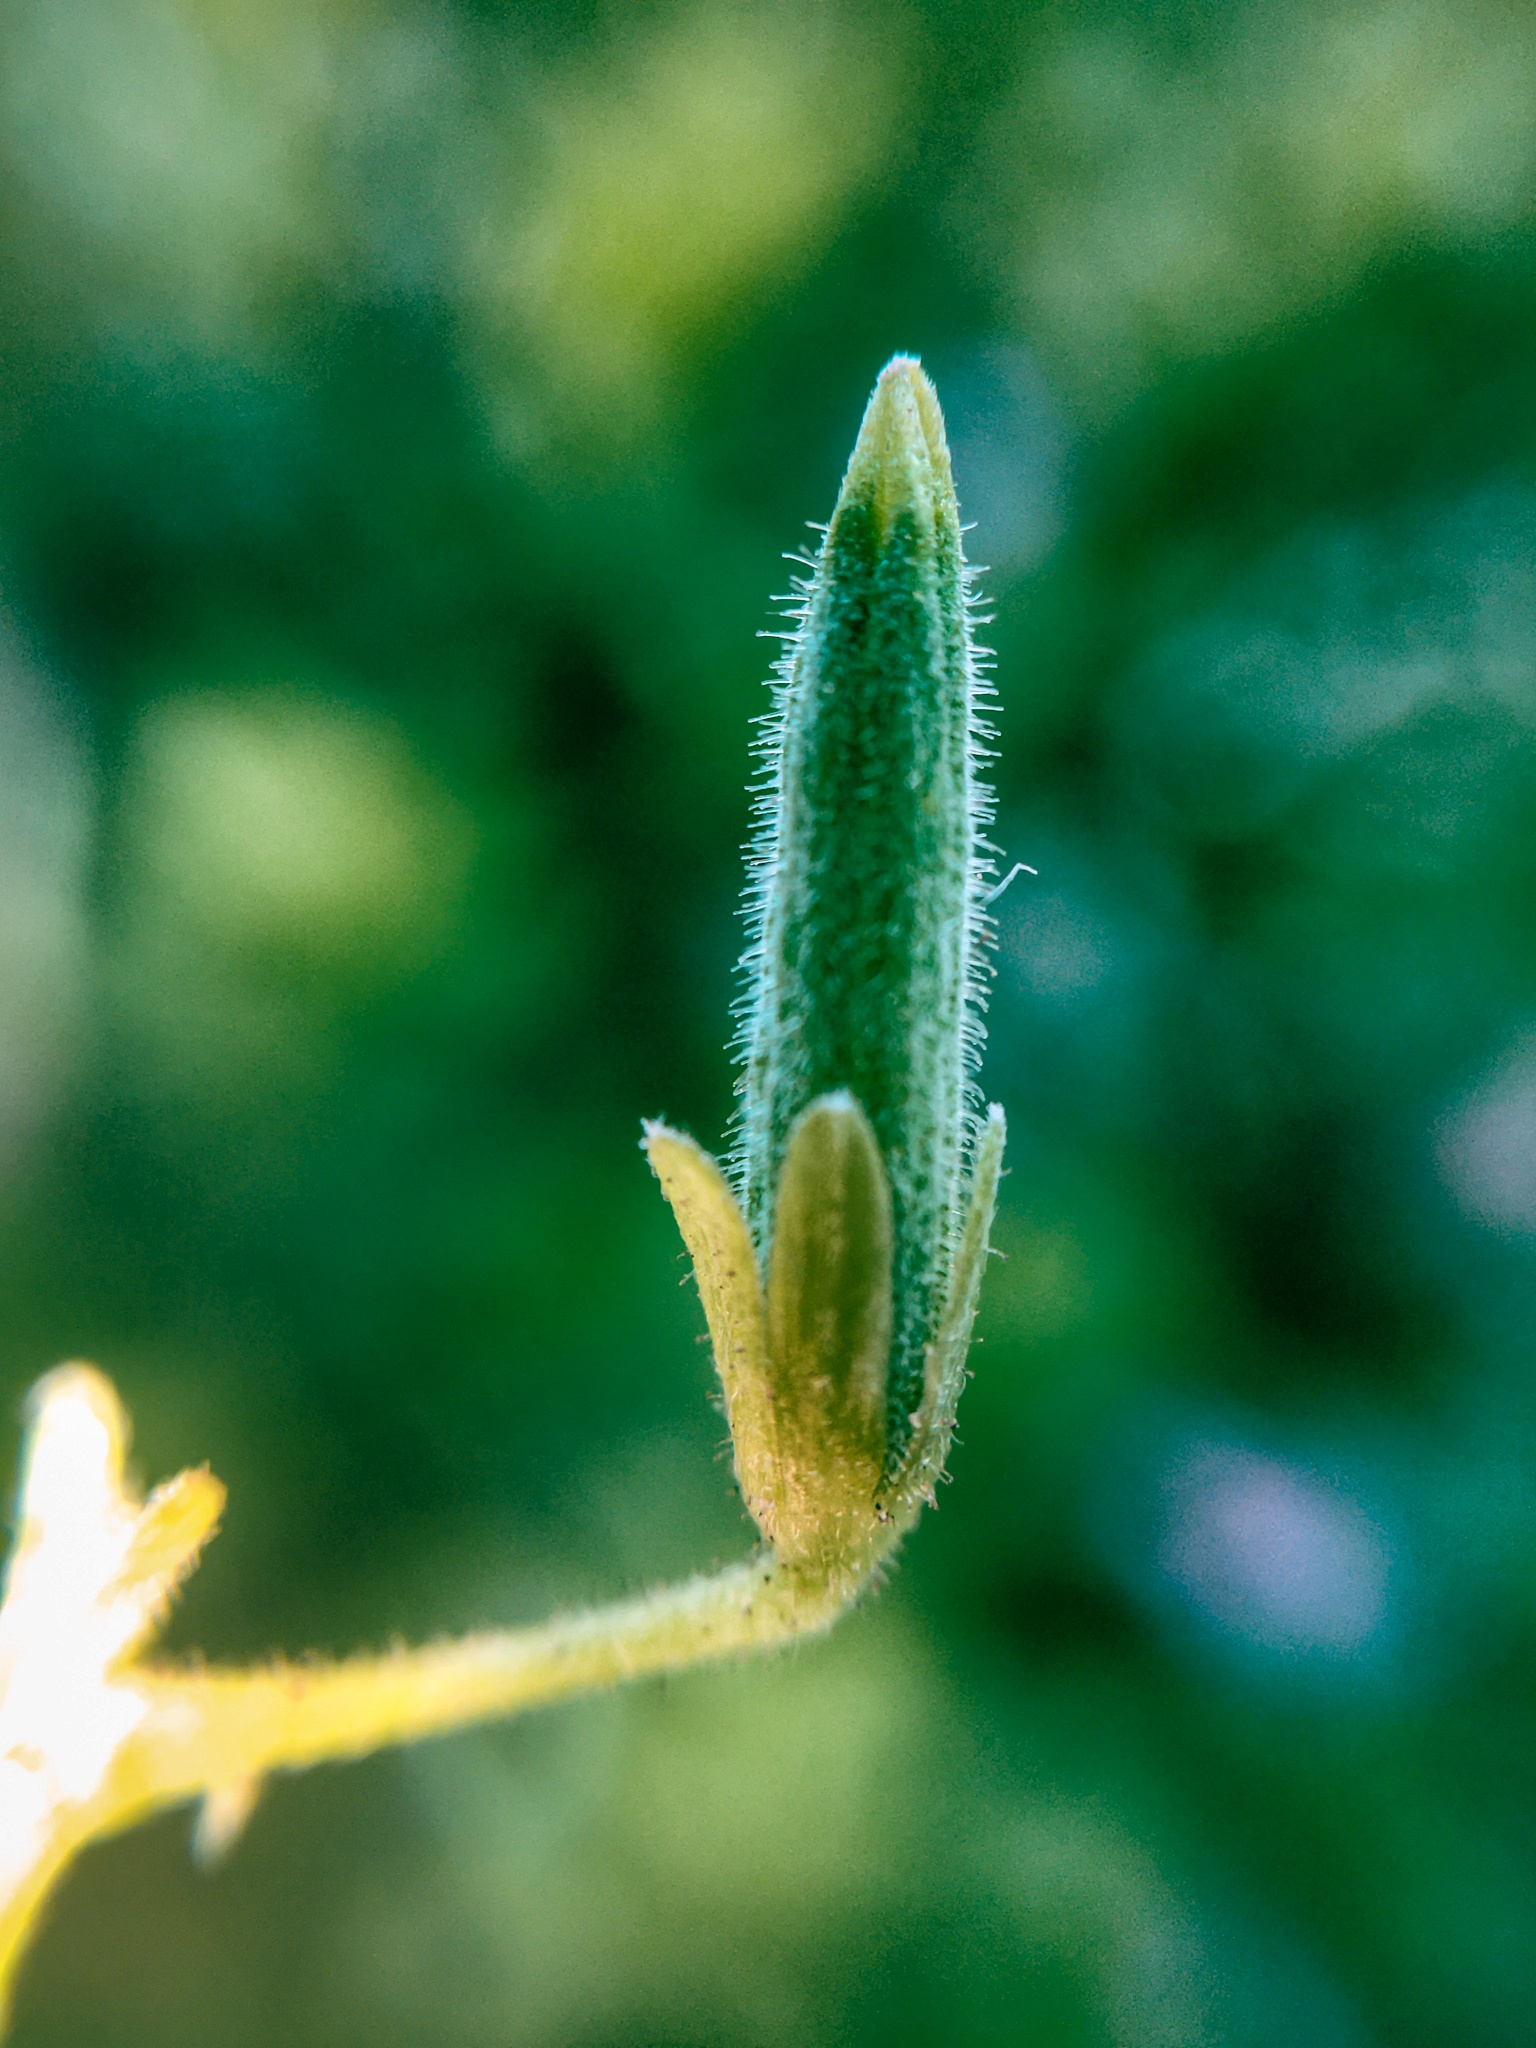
<point x="725" y="1267"/>
<point x="829" y="1335"/>
<point x="933" y="1425"/>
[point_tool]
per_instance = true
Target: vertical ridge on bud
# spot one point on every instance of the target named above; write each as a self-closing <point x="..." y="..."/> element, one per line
<point x="866" y="881"/>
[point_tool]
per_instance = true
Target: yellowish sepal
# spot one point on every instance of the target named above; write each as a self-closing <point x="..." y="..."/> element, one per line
<point x="803" y="1363"/>
<point x="725" y="1267"/>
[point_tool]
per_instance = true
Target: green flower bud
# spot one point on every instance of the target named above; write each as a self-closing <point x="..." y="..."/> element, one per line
<point x="867" y="888"/>
<point x="840" y="1291"/>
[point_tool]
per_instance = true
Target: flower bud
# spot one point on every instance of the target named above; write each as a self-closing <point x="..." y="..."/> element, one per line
<point x="867" y="889"/>
<point x="841" y="1289"/>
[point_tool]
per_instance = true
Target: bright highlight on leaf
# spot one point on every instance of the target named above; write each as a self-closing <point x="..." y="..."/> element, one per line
<point x="91" y="1577"/>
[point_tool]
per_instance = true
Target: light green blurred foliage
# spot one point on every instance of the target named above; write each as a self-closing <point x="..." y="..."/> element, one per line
<point x="1184" y="179"/>
<point x="680" y="171"/>
<point x="186" y="142"/>
<point x="1091" y="1898"/>
<point x="599" y="1871"/>
<point x="286" y="864"/>
<point x="283" y="824"/>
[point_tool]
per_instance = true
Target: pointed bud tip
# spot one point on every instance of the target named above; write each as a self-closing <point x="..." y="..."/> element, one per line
<point x="900" y="462"/>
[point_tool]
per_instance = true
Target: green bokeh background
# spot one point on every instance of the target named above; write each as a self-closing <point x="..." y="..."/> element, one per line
<point x="404" y="408"/>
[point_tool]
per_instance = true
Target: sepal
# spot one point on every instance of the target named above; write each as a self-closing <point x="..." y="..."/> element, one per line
<point x="933" y="1426"/>
<point x="725" y="1267"/>
<point x="829" y="1334"/>
<point x="804" y="1361"/>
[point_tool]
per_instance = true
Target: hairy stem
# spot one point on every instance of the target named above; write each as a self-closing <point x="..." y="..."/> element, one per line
<point x="292" y="1716"/>
<point x="214" y="1734"/>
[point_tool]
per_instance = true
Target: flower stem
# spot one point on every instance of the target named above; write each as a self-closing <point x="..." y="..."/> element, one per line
<point x="205" y="1726"/>
<point x="215" y="1734"/>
